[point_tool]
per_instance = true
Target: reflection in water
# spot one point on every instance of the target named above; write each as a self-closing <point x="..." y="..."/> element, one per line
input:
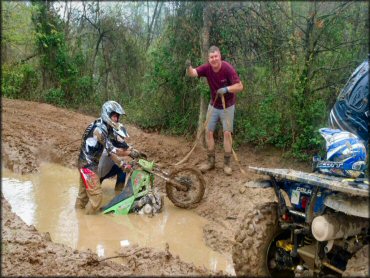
<point x="47" y="196"/>
<point x="100" y="250"/>
<point x="25" y="204"/>
<point x="124" y="243"/>
<point x="46" y="200"/>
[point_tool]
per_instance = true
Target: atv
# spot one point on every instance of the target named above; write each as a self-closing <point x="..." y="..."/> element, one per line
<point x="319" y="227"/>
<point x="185" y="188"/>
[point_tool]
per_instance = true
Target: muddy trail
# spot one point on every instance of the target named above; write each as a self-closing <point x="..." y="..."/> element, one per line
<point x="34" y="133"/>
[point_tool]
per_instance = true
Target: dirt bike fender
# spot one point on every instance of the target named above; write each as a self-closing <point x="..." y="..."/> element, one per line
<point x="121" y="208"/>
<point x="139" y="180"/>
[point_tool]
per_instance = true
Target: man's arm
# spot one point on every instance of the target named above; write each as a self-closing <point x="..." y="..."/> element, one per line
<point x="122" y="152"/>
<point x="235" y="88"/>
<point x="236" y="85"/>
<point x="116" y="154"/>
<point x="119" y="152"/>
<point x="117" y="157"/>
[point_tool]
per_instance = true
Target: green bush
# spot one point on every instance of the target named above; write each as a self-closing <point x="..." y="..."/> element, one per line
<point x="55" y="96"/>
<point x="19" y="81"/>
<point x="11" y="82"/>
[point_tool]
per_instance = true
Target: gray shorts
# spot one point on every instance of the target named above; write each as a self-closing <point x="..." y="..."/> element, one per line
<point x="227" y="118"/>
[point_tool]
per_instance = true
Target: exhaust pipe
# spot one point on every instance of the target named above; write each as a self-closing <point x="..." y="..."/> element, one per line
<point x="334" y="226"/>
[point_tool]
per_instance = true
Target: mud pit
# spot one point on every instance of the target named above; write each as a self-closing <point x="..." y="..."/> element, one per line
<point x="46" y="200"/>
<point x="33" y="133"/>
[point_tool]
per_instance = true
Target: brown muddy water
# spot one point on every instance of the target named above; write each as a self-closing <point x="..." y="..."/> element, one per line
<point x="46" y="200"/>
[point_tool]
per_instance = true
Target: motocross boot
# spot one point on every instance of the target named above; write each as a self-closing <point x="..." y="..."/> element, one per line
<point x="120" y="183"/>
<point x="227" y="168"/>
<point x="118" y="187"/>
<point x="80" y="204"/>
<point x="92" y="208"/>
<point x="89" y="210"/>
<point x="82" y="198"/>
<point x="210" y="163"/>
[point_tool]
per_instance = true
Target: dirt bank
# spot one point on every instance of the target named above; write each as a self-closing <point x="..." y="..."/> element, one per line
<point x="34" y="132"/>
<point x="26" y="252"/>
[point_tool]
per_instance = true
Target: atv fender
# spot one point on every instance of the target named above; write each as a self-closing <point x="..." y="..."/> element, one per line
<point x="351" y="205"/>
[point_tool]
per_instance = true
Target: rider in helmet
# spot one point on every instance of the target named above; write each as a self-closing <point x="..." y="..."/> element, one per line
<point x="107" y="168"/>
<point x="97" y="138"/>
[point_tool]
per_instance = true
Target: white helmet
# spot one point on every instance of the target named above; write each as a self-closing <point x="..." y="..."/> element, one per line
<point x="346" y="154"/>
<point x="106" y="112"/>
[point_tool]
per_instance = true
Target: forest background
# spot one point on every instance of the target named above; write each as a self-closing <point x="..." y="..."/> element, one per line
<point x="292" y="57"/>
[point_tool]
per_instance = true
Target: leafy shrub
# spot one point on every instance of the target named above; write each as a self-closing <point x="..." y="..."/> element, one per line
<point x="55" y="96"/>
<point x="19" y="81"/>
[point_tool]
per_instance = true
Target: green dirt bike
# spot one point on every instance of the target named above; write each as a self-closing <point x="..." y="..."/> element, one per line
<point x="185" y="188"/>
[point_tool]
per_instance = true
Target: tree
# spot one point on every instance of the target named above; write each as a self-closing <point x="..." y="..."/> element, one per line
<point x="292" y="57"/>
<point x="153" y="21"/>
<point x="205" y="46"/>
<point x="16" y="47"/>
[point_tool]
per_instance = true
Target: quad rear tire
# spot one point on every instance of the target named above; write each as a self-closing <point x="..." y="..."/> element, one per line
<point x="358" y="265"/>
<point x="194" y="180"/>
<point x="253" y="239"/>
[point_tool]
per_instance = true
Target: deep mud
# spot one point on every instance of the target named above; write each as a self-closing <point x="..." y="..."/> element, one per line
<point x="34" y="132"/>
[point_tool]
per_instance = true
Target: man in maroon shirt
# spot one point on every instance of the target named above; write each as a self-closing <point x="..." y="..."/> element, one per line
<point x="224" y="82"/>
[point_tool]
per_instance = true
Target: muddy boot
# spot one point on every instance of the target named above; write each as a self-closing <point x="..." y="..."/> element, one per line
<point x="90" y="210"/>
<point x="119" y="187"/>
<point x="227" y="168"/>
<point x="80" y="204"/>
<point x="120" y="182"/>
<point x="210" y="164"/>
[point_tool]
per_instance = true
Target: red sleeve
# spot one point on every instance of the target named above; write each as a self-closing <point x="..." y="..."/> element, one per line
<point x="202" y="70"/>
<point x="232" y="75"/>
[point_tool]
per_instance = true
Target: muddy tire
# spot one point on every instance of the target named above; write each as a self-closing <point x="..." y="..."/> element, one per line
<point x="194" y="180"/>
<point x="252" y="241"/>
<point x="358" y="265"/>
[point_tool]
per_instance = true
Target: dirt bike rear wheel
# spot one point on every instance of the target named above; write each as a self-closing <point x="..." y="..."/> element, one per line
<point x="194" y="180"/>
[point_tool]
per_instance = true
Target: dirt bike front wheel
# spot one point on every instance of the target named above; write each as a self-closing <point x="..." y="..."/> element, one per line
<point x="194" y="183"/>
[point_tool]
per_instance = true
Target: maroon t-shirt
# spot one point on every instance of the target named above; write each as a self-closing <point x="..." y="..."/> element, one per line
<point x="226" y="76"/>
